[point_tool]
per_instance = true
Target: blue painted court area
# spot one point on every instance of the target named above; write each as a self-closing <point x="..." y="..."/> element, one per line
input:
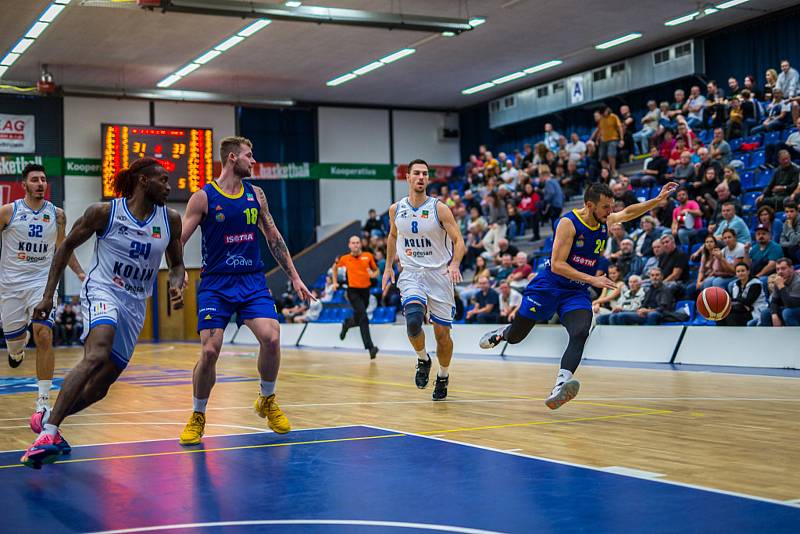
<point x="354" y="479"/>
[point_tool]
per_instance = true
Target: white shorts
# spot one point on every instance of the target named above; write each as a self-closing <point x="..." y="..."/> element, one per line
<point x="16" y="310"/>
<point x="100" y="306"/>
<point x="433" y="289"/>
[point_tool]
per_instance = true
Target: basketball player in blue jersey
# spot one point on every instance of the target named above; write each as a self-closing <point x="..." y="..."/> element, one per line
<point x="133" y="233"/>
<point x="562" y="287"/>
<point x="230" y="212"/>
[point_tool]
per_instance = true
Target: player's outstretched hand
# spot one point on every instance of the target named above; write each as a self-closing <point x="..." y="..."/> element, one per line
<point x="388" y="278"/>
<point x="42" y="310"/>
<point x="176" y="297"/>
<point x="301" y="290"/>
<point x="667" y="190"/>
<point x="455" y="274"/>
<point x="603" y="282"/>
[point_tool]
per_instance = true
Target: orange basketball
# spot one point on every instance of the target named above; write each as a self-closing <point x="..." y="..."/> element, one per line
<point x="714" y="303"/>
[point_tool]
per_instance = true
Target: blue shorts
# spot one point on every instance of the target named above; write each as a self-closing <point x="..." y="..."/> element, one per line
<point x="220" y="296"/>
<point x="544" y="297"/>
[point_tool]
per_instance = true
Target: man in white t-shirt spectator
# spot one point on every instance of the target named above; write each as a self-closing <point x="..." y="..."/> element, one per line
<point x="551" y="137"/>
<point x="693" y="109"/>
<point x="788" y="80"/>
<point x="641" y="138"/>
<point x="779" y="114"/>
<point x="510" y="175"/>
<point x="576" y="148"/>
<point x="510" y="301"/>
<point x="720" y="149"/>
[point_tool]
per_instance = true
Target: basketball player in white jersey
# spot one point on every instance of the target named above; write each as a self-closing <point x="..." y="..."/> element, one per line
<point x="133" y="234"/>
<point x="32" y="229"/>
<point x="428" y="242"/>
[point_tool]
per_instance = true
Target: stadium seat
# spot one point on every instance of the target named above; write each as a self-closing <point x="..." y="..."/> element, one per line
<point x="764" y="177"/>
<point x="699" y="320"/>
<point x="319" y="283"/>
<point x="735" y="144"/>
<point x="747" y="179"/>
<point x="758" y="158"/>
<point x="383" y="315"/>
<point x="686" y="305"/>
<point x="642" y="193"/>
<point x="772" y="138"/>
<point x="750" y="139"/>
<point x="338" y="297"/>
<point x="743" y="158"/>
<point x="786" y="133"/>
<point x="749" y="201"/>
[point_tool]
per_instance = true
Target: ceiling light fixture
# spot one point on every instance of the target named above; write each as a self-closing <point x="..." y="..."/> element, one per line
<point x="369" y="67"/>
<point x="618" y="41"/>
<point x="42" y="22"/>
<point x="448" y="34"/>
<point x="708" y="9"/>
<point x="293" y="3"/>
<point x="513" y="76"/>
<point x="205" y="57"/>
<point x="476" y="21"/>
<point x="731" y="3"/>
<point x="681" y="20"/>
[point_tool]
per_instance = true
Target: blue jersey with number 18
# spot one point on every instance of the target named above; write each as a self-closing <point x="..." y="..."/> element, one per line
<point x="584" y="254"/>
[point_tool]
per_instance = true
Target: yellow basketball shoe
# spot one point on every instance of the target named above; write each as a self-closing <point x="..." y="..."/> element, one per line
<point x="276" y="420"/>
<point x="194" y="430"/>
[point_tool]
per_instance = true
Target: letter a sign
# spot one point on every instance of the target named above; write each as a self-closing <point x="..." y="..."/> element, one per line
<point x="576" y="94"/>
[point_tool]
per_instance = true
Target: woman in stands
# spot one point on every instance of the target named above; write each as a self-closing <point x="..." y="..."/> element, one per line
<point x="772" y="79"/>
<point x="732" y="177"/>
<point x="708" y="257"/>
<point x="747" y="299"/>
<point x="609" y="297"/>
<point x="766" y="216"/>
<point x="643" y="238"/>
<point x="527" y="208"/>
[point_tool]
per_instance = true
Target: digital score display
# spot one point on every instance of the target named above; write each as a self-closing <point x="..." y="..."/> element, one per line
<point x="185" y="153"/>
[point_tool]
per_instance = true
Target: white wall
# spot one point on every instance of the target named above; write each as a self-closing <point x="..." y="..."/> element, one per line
<point x="741" y="347"/>
<point x="348" y="135"/>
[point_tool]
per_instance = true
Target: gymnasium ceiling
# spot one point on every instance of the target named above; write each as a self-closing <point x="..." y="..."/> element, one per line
<point x="132" y="49"/>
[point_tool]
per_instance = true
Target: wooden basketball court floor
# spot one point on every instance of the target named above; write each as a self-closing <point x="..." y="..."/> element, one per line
<point x="735" y="433"/>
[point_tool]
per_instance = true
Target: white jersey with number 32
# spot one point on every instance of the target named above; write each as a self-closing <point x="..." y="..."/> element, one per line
<point x="422" y="242"/>
<point x="29" y="241"/>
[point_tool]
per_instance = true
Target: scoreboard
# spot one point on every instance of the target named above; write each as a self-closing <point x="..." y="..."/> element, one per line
<point x="185" y="153"/>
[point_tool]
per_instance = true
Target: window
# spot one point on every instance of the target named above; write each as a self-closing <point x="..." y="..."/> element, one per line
<point x="662" y="56"/>
<point x="558" y="87"/>
<point x="543" y="91"/>
<point x="617" y="69"/>
<point x="683" y="50"/>
<point x="599" y="75"/>
<point x="509" y="102"/>
<point x="494" y="106"/>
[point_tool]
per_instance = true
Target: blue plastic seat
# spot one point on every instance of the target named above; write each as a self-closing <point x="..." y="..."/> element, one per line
<point x="758" y="158"/>
<point x="742" y="157"/>
<point x="756" y="138"/>
<point x="749" y="201"/>
<point x="764" y="177"/>
<point x="773" y="138"/>
<point x="748" y="180"/>
<point x="735" y="144"/>
<point x="686" y="305"/>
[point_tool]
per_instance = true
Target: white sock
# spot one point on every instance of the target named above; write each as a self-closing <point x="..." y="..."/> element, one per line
<point x="50" y="430"/>
<point x="422" y="355"/>
<point x="44" y="387"/>
<point x="443" y="371"/>
<point x="267" y="388"/>
<point x="199" y="405"/>
<point x="563" y="376"/>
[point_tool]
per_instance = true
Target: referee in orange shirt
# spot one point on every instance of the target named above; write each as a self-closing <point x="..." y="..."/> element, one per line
<point x="361" y="269"/>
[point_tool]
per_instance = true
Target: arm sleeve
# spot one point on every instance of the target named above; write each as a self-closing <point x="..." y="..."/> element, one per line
<point x="750" y="294"/>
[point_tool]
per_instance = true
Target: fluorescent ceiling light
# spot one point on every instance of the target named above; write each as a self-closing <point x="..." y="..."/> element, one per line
<point x="229" y="43"/>
<point x="169" y="80"/>
<point x="681" y="20"/>
<point x="731" y="3"/>
<point x="476" y="21"/>
<point x="710" y="10"/>
<point x="188" y="69"/>
<point x="9" y="59"/>
<point x="208" y="56"/>
<point x="65" y="2"/>
<point x="618" y="41"/>
<point x="254" y="27"/>
<point x="3" y="71"/>
<point x="397" y="55"/>
<point x="341" y="79"/>
<point x="36" y="30"/>
<point x="448" y="34"/>
<point x="51" y="13"/>
<point x="543" y="66"/>
<point x="22" y="45"/>
<point x="509" y="77"/>
<point x="477" y="88"/>
<point x="368" y="68"/>
<point x="293" y="3"/>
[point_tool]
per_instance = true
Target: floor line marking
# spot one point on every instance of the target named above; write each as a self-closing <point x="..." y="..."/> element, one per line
<point x="535" y="423"/>
<point x="218" y="449"/>
<point x="151" y="423"/>
<point x="592" y="468"/>
<point x="630" y="471"/>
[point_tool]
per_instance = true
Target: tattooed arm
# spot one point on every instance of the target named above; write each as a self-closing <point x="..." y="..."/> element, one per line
<point x="73" y="263"/>
<point x="277" y="246"/>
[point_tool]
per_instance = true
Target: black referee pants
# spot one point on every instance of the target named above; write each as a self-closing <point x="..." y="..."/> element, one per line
<point x="359" y="300"/>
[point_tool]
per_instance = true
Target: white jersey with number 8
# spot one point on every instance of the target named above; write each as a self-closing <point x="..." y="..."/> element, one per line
<point x="422" y="242"/>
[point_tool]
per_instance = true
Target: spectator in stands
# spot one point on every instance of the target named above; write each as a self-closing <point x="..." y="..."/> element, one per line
<point x="474" y="243"/>
<point x="522" y="271"/>
<point x="628" y="262"/>
<point x="790" y="233"/>
<point x="504" y="270"/>
<point x="779" y="114"/>
<point x="784" y="181"/>
<point x="516" y="224"/>
<point x="734" y="89"/>
<point x="763" y="255"/>
<point x="676" y="108"/>
<point x="688" y="136"/>
<point x="652" y="261"/>
<point x="646" y="235"/>
<point x="622" y="193"/>
<point x="686" y="218"/>
<point x="497" y="217"/>
<point x="510" y="175"/>
<point x="657" y="306"/>
<point x="504" y="247"/>
<point x="313" y="312"/>
<point x="750" y="85"/>
<point x="481" y="270"/>
<point x="723" y="195"/>
<point x="715" y="115"/>
<point x="66" y="325"/>
<point x="610" y="135"/>
<point x="771" y="79"/>
<point x="572" y="182"/>
<point x="373" y="225"/>
<point x="663" y="212"/>
<point x="630" y="300"/>
<point x="628" y="129"/>
<point x="674" y="263"/>
<point x="732" y="221"/>
<point x="615" y="236"/>
<point x="664" y="123"/>
<point x="510" y="301"/>
<point x="792" y="145"/>
<point x="747" y="299"/>
<point x="751" y="111"/>
<point x="552" y="197"/>
<point x="734" y="125"/>
<point x="528" y="206"/>
<point x="486" y="304"/>
<point x="726" y="259"/>
<point x="732" y="180"/>
<point x="609" y="298"/>
<point x="551" y="137"/>
<point x="683" y="172"/>
<point x="784" y="308"/>
<point x="720" y="149"/>
<point x="667" y="145"/>
<point x="576" y="148"/>
<point x="709" y="256"/>
<point x="650" y="121"/>
<point x="706" y="161"/>
<point x="766" y="216"/>
<point x="788" y="80"/>
<point x="693" y="108"/>
<point x="527" y="158"/>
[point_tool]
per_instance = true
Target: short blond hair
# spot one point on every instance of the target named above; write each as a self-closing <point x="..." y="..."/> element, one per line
<point x="230" y="145"/>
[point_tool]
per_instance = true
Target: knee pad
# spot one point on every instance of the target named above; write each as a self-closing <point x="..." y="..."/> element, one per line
<point x="415" y="316"/>
<point x="17" y="346"/>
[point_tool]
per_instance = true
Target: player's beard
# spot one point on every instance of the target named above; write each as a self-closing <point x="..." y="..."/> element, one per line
<point x="242" y="171"/>
<point x="34" y="193"/>
<point x="153" y="194"/>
